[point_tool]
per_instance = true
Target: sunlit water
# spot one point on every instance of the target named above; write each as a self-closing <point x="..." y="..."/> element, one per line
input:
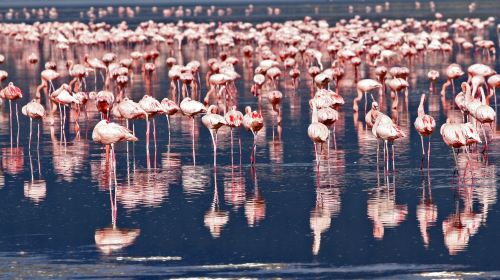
<point x="285" y="218"/>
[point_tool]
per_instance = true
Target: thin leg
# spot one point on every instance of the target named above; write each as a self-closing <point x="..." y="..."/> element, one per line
<point x="423" y="152"/>
<point x="387" y="155"/>
<point x="194" y="155"/>
<point x="31" y="131"/>
<point x="154" y="132"/>
<point x="334" y="138"/>
<point x="455" y="158"/>
<point x="168" y="123"/>
<point x="17" y="118"/>
<point x="393" y="165"/>
<point x="232" y="160"/>
<point x="10" y="122"/>
<point x="429" y="153"/>
<point x="38" y="137"/>
<point x="485" y="148"/>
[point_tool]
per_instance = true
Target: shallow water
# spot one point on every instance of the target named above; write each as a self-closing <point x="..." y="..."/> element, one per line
<point x="286" y="218"/>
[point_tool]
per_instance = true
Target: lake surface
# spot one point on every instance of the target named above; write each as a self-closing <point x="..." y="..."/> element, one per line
<point x="283" y="218"/>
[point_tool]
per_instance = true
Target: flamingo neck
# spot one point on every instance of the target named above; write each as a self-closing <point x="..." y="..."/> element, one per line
<point x="483" y="97"/>
<point x="314" y="114"/>
<point x="421" y="110"/>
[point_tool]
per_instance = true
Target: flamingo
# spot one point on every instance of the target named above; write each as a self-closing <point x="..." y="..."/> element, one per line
<point x="425" y="125"/>
<point x="275" y="98"/>
<point x="484" y="114"/>
<point x="33" y="110"/>
<point x="457" y="135"/>
<point x="388" y="131"/>
<point x="12" y="93"/>
<point x="433" y="75"/>
<point x="191" y="108"/>
<point x="170" y="108"/>
<point x="363" y="87"/>
<point x="234" y="119"/>
<point x="453" y="71"/>
<point x="253" y="122"/>
<point x="152" y="107"/>
<point x="213" y="121"/>
<point x="104" y="103"/>
<point x="317" y="131"/>
<point x="493" y="83"/>
<point x="108" y="133"/>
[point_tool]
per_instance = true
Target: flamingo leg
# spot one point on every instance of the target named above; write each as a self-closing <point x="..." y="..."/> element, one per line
<point x="168" y="123"/>
<point x="387" y="155"/>
<point x="232" y="160"/>
<point x="194" y="154"/>
<point x="316" y="153"/>
<point x="17" y="118"/>
<point x="38" y="137"/>
<point x="334" y="138"/>
<point x="423" y="152"/>
<point x="10" y="123"/>
<point x="485" y="148"/>
<point x="455" y="158"/>
<point x="31" y="130"/>
<point x="154" y="132"/>
<point x="429" y="153"/>
<point x="393" y="165"/>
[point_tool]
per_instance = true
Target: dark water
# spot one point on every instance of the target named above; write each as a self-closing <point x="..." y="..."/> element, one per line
<point x="286" y="218"/>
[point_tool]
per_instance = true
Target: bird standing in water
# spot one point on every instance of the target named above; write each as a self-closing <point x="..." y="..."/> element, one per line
<point x="34" y="110"/>
<point x="425" y="125"/>
<point x="317" y="131"/>
<point x="253" y="122"/>
<point x="191" y="108"/>
<point x="213" y="121"/>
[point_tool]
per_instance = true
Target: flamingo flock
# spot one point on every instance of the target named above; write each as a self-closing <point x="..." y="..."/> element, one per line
<point x="277" y="55"/>
<point x="373" y="64"/>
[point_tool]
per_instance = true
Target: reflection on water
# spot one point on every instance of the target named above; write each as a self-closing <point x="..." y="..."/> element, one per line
<point x="346" y="217"/>
<point x="383" y="209"/>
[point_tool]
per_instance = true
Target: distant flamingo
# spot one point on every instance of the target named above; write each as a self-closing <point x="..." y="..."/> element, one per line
<point x="12" y="93"/>
<point x="191" y="108"/>
<point x="108" y="133"/>
<point x="317" y="131"/>
<point x="34" y="110"/>
<point x="170" y="108"/>
<point x="213" y="121"/>
<point x="234" y="119"/>
<point x="425" y="125"/>
<point x="253" y="122"/>
<point x="453" y="71"/>
<point x="385" y="129"/>
<point x="363" y="87"/>
<point x="433" y="75"/>
<point x="457" y="135"/>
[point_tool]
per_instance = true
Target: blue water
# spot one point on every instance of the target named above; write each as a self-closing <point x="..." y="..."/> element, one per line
<point x="285" y="218"/>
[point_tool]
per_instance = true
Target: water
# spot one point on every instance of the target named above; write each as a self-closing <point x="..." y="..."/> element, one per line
<point x="286" y="218"/>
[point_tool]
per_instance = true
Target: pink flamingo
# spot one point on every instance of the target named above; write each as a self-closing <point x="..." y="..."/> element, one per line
<point x="253" y="122"/>
<point x="213" y="121"/>
<point x="433" y="75"/>
<point x="104" y="103"/>
<point x="453" y="71"/>
<point x="34" y="110"/>
<point x="191" y="108"/>
<point x="108" y="133"/>
<point x="170" y="108"/>
<point x="12" y="93"/>
<point x="363" y="87"/>
<point x="388" y="131"/>
<point x="425" y="125"/>
<point x="234" y="119"/>
<point x="317" y="131"/>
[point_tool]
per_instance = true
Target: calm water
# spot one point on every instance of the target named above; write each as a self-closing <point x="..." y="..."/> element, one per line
<point x="284" y="219"/>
